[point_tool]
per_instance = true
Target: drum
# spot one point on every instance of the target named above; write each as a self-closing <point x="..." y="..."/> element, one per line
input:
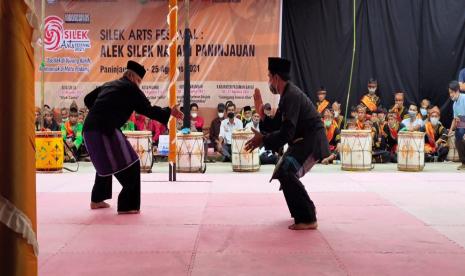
<point x="356" y="150"/>
<point x="411" y="151"/>
<point x="243" y="161"/>
<point x="453" y="154"/>
<point x="49" y="151"/>
<point x="191" y="154"/>
<point x="141" y="142"/>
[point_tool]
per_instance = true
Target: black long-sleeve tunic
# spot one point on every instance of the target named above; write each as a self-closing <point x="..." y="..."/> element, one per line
<point x="301" y="127"/>
<point x="111" y="105"/>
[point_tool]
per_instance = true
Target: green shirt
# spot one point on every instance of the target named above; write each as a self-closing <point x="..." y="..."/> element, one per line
<point x="73" y="132"/>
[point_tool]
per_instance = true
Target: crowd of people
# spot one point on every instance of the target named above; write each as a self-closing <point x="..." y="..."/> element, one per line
<point x="369" y="114"/>
<point x="385" y="124"/>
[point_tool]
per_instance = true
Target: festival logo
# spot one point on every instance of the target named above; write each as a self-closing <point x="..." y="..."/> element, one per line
<point x="57" y="38"/>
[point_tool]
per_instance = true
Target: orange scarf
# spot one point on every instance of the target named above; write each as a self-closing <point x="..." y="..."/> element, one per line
<point x="69" y="129"/>
<point x="330" y="134"/>
<point x="368" y="102"/>
<point x="381" y="129"/>
<point x="430" y="133"/>
<point x="394" y="135"/>
<point x="360" y="125"/>
<point x="322" y="106"/>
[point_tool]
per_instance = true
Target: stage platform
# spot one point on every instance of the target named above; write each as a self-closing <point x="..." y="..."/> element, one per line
<point x="381" y="222"/>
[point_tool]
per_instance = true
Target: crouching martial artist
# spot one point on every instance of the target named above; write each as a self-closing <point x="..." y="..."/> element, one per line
<point x="302" y="129"/>
<point x="110" y="106"/>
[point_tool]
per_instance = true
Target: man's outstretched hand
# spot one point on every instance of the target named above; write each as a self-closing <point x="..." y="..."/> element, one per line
<point x="176" y="113"/>
<point x="255" y="142"/>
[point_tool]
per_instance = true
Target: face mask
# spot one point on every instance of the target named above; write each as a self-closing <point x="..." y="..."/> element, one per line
<point x="434" y="121"/>
<point x="231" y="115"/>
<point x="273" y="89"/>
<point x="423" y="111"/>
<point x="327" y="123"/>
<point x="371" y="90"/>
<point x="412" y="114"/>
<point x="220" y="114"/>
<point x="336" y="113"/>
<point x="194" y="114"/>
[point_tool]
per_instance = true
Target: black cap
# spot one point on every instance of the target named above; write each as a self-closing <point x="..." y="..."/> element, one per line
<point x="137" y="68"/>
<point x="221" y="107"/>
<point x="279" y="65"/>
<point x="247" y="108"/>
<point x="321" y="90"/>
<point x="267" y="106"/>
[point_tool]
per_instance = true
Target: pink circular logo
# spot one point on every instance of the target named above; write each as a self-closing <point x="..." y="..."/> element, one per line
<point x="53" y="33"/>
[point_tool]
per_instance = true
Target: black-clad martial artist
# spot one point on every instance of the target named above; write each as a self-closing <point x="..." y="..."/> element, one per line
<point x="302" y="129"/>
<point x="110" y="106"/>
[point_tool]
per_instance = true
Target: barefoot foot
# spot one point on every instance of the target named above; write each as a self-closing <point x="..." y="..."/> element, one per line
<point x="99" y="205"/>
<point x="304" y="226"/>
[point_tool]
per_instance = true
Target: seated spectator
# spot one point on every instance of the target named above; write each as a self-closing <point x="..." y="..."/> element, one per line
<point x="215" y="126"/>
<point x="255" y="123"/>
<point x="38" y="116"/>
<point x="368" y="125"/>
<point x="436" y="147"/>
<point x="333" y="134"/>
<point x="128" y="126"/>
<point x="370" y="100"/>
<point x="424" y="106"/>
<point x="338" y="117"/>
<point x="226" y="129"/>
<point x="361" y="117"/>
<point x="353" y="112"/>
<point x="381" y="153"/>
<point x="64" y="115"/>
<point x="391" y="135"/>
<point x="269" y="122"/>
<point x="352" y="124"/>
<point x="72" y="136"/>
<point x="413" y="123"/>
<point x="157" y="129"/>
<point x="322" y="102"/>
<point x="246" y="115"/>
<point x="49" y="122"/>
<point x="399" y="108"/>
<point x="197" y="122"/>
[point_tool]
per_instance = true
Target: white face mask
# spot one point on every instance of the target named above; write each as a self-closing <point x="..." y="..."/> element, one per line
<point x="194" y="114"/>
<point x="336" y="114"/>
<point x="434" y="121"/>
<point x="372" y="90"/>
<point x="412" y="113"/>
<point x="423" y="111"/>
<point x="221" y="115"/>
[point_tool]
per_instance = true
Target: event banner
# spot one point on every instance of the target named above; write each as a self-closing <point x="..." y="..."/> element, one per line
<point x="88" y="42"/>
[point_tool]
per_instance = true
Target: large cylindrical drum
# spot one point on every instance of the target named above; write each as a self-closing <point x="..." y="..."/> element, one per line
<point x="356" y="150"/>
<point x="453" y="154"/>
<point x="243" y="161"/>
<point x="49" y="151"/>
<point x="191" y="154"/>
<point x="141" y="142"/>
<point x="411" y="151"/>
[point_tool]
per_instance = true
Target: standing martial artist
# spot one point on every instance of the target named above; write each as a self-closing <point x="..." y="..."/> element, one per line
<point x="110" y="106"/>
<point x="302" y="129"/>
